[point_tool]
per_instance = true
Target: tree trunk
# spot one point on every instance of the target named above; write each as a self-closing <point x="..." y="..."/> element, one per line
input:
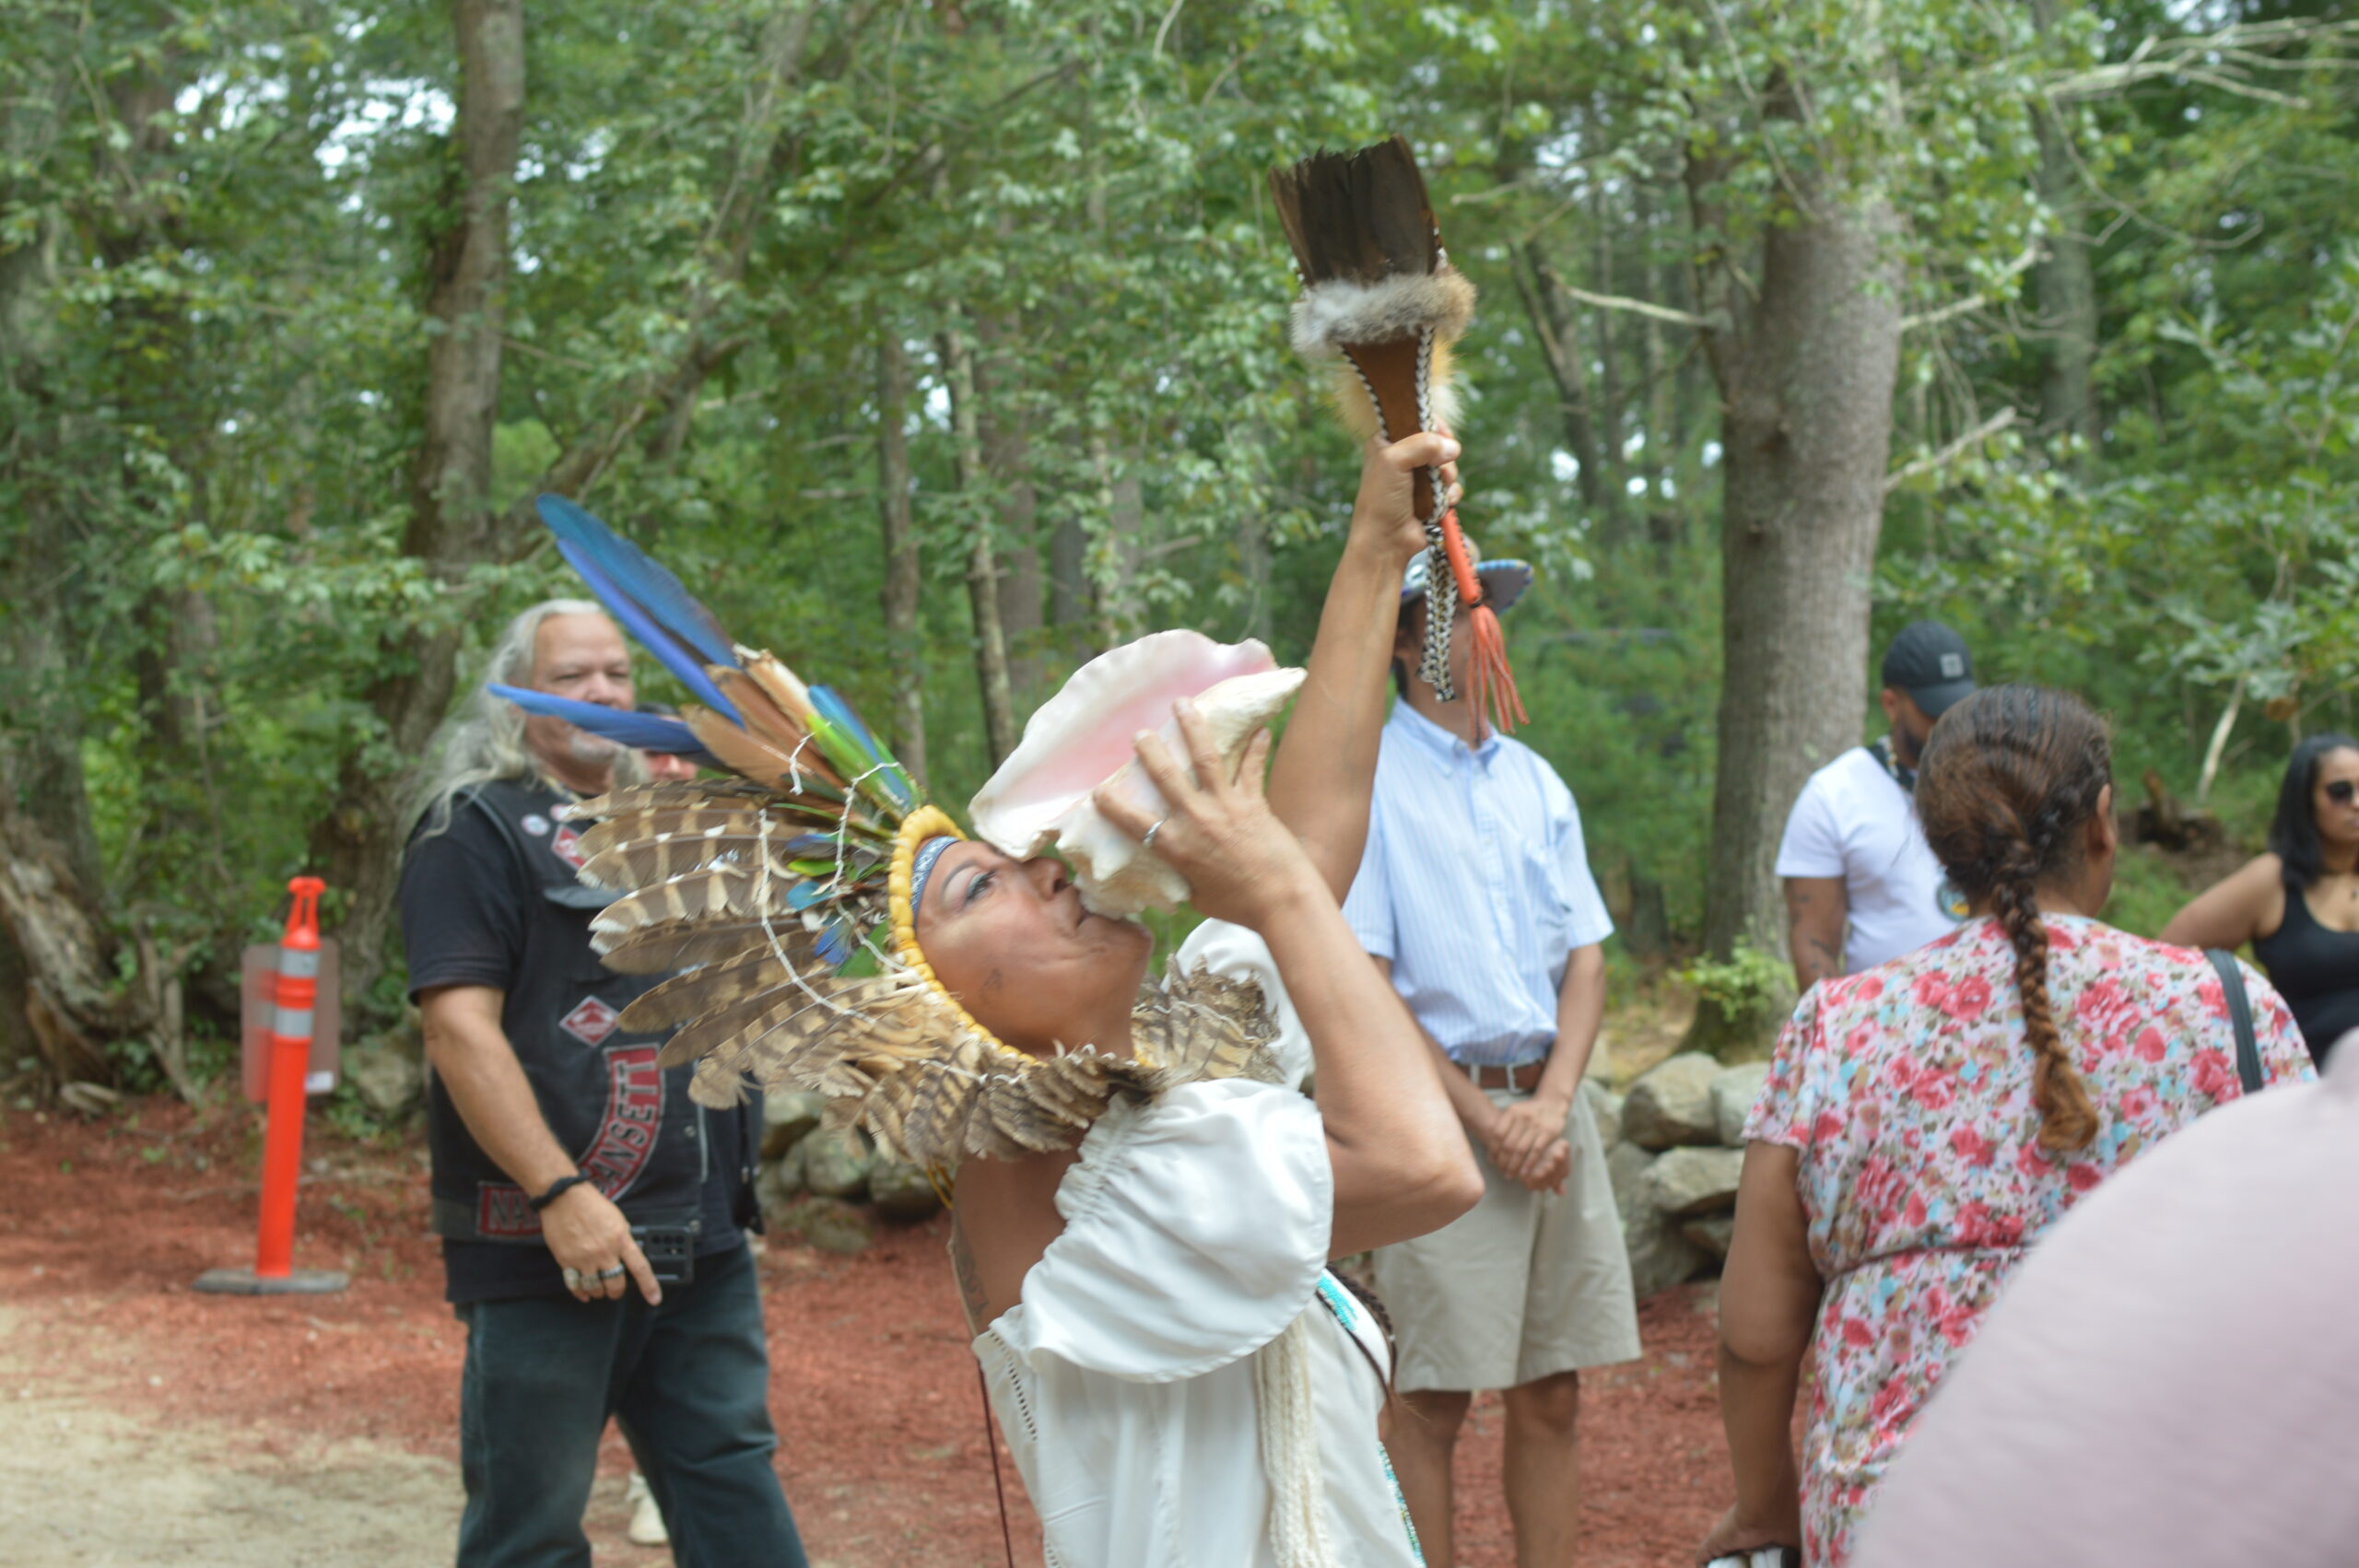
<point x="1653" y="401"/>
<point x="1606" y="412"/>
<point x="60" y="979"/>
<point x="1253" y="563"/>
<point x="1806" y="378"/>
<point x="63" y="986"/>
<point x="904" y="648"/>
<point x="74" y="1003"/>
<point x="1069" y="593"/>
<point x="2067" y="279"/>
<point x="1016" y="573"/>
<point x="1073" y="596"/>
<point x="1554" y="325"/>
<point x="982" y="564"/>
<point x="451" y="523"/>
<point x="1121" y="502"/>
<point x="1000" y="422"/>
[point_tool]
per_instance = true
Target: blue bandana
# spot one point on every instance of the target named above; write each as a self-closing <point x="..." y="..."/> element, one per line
<point x="922" y="867"/>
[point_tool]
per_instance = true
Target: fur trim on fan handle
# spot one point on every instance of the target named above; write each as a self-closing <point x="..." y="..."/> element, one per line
<point x="1336" y="312"/>
<point x="1349" y="394"/>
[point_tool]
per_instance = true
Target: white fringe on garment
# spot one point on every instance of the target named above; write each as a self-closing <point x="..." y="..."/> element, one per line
<point x="1289" y="1434"/>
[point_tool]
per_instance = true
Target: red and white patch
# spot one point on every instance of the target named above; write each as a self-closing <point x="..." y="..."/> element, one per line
<point x="590" y="1022"/>
<point x="568" y="845"/>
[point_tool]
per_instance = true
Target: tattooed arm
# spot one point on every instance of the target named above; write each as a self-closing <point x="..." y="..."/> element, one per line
<point x="1816" y="910"/>
<point x="970" y="1278"/>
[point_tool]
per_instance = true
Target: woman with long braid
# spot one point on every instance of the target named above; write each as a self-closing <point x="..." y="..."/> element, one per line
<point x="1925" y="1121"/>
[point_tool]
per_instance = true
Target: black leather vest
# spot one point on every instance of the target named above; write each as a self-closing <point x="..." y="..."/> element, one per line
<point x="632" y="1127"/>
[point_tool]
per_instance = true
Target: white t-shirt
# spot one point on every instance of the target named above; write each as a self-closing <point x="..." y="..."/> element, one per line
<point x="1196" y="1234"/>
<point x="1855" y="821"/>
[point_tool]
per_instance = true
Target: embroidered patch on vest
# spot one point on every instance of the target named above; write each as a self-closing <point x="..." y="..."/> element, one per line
<point x="568" y="845"/>
<point x="625" y="1138"/>
<point x="590" y="1022"/>
<point x="536" y="824"/>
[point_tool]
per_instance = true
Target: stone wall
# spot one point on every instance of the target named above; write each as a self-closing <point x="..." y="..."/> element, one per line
<point x="1674" y="1144"/>
<point x="827" y="1184"/>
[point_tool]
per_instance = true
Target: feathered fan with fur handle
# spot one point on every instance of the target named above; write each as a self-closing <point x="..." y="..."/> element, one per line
<point x="1381" y="303"/>
<point x="784" y="894"/>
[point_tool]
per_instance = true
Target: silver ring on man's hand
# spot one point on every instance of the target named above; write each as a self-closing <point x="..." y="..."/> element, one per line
<point x="614" y="1273"/>
<point x="573" y="1279"/>
<point x="1148" y="842"/>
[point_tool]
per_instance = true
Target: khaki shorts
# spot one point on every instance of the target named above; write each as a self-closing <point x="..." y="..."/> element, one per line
<point x="1526" y="1285"/>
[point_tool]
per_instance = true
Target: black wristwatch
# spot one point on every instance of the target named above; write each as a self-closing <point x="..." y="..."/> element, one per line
<point x="557" y="1189"/>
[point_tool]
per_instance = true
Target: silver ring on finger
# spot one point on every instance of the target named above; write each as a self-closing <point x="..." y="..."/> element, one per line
<point x="573" y="1279"/>
<point x="1148" y="841"/>
<point x="614" y="1272"/>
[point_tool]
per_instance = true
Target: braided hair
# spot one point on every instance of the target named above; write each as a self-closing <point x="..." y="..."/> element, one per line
<point x="2009" y="782"/>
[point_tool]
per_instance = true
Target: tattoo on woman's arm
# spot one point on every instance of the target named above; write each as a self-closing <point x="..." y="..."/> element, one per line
<point x="970" y="1280"/>
<point x="1829" y="960"/>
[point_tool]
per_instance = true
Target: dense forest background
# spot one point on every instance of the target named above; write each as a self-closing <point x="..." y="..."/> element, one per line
<point x="940" y="342"/>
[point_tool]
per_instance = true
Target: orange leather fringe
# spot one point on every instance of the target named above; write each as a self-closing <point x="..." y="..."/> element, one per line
<point x="1490" y="681"/>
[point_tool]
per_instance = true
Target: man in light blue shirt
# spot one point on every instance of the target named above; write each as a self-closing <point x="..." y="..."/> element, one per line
<point x="1474" y="898"/>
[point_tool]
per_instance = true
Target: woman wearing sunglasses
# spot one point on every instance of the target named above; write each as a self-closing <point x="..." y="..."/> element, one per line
<point x="2298" y="905"/>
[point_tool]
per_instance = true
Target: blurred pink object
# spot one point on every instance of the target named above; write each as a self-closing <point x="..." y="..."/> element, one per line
<point x="1085" y="735"/>
<point x="2172" y="1379"/>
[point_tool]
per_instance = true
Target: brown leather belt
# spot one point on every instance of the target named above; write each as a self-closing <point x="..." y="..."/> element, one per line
<point x="1521" y="1079"/>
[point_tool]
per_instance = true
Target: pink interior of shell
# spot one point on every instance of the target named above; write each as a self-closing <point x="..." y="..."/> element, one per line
<point x="1090" y="729"/>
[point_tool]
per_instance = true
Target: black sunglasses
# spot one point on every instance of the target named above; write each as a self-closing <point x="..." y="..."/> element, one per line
<point x="2339" y="791"/>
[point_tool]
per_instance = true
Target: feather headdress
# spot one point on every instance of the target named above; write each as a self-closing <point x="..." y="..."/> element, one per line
<point x="785" y="896"/>
<point x="1381" y="304"/>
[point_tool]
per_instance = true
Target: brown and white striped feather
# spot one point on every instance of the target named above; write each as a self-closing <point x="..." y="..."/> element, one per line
<point x="714" y="893"/>
<point x="685" y="795"/>
<point x="767" y="1031"/>
<point x="635" y="839"/>
<point x="674" y="945"/>
<point x="732" y="981"/>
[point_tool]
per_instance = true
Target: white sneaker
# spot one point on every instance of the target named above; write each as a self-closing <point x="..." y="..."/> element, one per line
<point x="646" y="1518"/>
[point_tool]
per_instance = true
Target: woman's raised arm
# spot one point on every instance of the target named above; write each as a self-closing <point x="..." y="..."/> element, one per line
<point x="1326" y="766"/>
<point x="1401" y="1162"/>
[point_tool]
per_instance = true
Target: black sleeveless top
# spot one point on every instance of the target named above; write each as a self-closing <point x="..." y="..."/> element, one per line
<point x="2316" y="971"/>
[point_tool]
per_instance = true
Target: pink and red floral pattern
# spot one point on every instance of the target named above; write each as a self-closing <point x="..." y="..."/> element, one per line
<point x="1906" y="1091"/>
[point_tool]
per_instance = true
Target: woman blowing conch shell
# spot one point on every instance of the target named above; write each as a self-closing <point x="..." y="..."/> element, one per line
<point x="1141" y="1221"/>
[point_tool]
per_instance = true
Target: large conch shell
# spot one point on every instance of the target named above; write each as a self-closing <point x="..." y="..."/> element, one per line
<point x="1083" y="737"/>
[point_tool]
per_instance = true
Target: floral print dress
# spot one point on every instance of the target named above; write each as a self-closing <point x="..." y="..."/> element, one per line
<point x="1905" y="1090"/>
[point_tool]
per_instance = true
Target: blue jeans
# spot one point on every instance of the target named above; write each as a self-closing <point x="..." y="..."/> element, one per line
<point x="688" y="1382"/>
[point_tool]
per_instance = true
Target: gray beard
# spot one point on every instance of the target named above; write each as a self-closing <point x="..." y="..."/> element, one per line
<point x="592" y="750"/>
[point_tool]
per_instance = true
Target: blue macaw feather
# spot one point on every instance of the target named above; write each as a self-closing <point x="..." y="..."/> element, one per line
<point x="826" y="848"/>
<point x="835" y="941"/>
<point x="640" y="731"/>
<point x="802" y="894"/>
<point x="675" y="655"/>
<point x="643" y="577"/>
<point x="811" y="844"/>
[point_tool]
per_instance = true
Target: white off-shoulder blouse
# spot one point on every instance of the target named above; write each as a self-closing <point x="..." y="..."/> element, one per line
<point x="1196" y="1235"/>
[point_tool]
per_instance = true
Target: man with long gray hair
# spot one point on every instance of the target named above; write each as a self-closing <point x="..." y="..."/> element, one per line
<point x="592" y="1216"/>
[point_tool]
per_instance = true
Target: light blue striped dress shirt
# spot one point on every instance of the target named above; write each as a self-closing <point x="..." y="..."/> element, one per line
<point x="1475" y="883"/>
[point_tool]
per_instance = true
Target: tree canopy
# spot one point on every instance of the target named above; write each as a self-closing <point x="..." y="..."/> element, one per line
<point x="985" y="299"/>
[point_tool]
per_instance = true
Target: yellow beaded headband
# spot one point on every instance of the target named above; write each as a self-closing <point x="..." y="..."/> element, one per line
<point x="902" y="886"/>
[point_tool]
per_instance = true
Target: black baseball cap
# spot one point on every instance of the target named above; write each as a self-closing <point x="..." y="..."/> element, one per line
<point x="1930" y="662"/>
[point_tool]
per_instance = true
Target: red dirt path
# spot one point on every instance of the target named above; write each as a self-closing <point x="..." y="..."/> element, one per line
<point x="105" y="1224"/>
